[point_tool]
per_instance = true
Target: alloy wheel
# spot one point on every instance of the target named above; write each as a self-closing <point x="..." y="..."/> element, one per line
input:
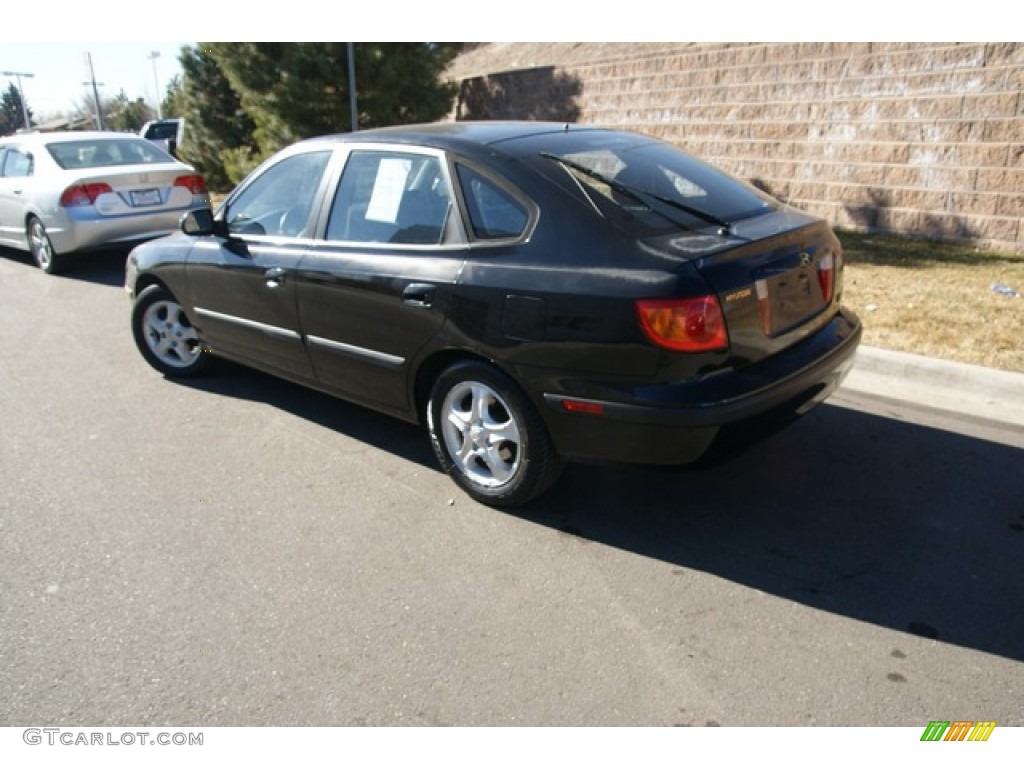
<point x="169" y="335"/>
<point x="481" y="434"/>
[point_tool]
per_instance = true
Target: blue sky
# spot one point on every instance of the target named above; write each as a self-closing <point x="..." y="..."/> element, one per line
<point x="60" y="70"/>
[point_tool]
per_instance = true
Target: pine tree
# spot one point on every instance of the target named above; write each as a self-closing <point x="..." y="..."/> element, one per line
<point x="11" y="116"/>
<point x="216" y="127"/>
<point x="244" y="101"/>
<point x="296" y="90"/>
<point x="123" y="114"/>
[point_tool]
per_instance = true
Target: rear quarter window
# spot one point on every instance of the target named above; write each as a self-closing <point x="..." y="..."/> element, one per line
<point x="494" y="213"/>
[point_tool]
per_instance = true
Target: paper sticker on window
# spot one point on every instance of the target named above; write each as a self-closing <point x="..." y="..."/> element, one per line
<point x="388" y="187"/>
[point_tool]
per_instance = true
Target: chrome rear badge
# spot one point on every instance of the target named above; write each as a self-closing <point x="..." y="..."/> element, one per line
<point x="805" y="259"/>
<point x="737" y="295"/>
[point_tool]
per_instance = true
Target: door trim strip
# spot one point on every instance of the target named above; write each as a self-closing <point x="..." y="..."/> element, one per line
<point x="273" y="330"/>
<point x="381" y="358"/>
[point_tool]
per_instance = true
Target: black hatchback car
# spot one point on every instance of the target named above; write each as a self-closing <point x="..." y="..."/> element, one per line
<point x="530" y="292"/>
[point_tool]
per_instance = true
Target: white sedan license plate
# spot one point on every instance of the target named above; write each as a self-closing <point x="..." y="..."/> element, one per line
<point x="145" y="197"/>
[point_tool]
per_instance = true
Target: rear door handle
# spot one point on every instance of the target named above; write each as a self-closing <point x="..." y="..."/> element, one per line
<point x="274" y="277"/>
<point x="419" y="294"/>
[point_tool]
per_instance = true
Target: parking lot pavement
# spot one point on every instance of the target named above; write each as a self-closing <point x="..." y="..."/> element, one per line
<point x="240" y="551"/>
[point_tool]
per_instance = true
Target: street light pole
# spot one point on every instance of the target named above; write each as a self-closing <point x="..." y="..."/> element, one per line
<point x="21" y="95"/>
<point x="153" y="56"/>
<point x="95" y="92"/>
<point x="353" y="108"/>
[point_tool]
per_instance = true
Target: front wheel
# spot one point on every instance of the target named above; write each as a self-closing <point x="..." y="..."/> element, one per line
<point x="488" y="437"/>
<point x="41" y="247"/>
<point x="165" y="336"/>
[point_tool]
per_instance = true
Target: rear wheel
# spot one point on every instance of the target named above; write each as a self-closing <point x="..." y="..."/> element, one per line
<point x="488" y="437"/>
<point x="41" y="247"/>
<point x="165" y="336"/>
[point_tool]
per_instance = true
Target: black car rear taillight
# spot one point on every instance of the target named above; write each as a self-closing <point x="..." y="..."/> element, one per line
<point x="684" y="325"/>
<point x="827" y="276"/>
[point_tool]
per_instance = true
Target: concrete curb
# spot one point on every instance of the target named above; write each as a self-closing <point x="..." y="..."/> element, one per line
<point x="969" y="390"/>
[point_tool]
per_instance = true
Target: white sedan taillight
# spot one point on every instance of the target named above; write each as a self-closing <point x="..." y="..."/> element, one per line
<point x="83" y="194"/>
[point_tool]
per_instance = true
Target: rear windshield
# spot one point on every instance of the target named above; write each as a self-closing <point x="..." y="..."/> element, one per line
<point x="99" y="153"/>
<point x="652" y="187"/>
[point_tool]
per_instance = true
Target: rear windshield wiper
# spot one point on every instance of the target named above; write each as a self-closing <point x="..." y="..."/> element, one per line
<point x="642" y="196"/>
<point x="710" y="218"/>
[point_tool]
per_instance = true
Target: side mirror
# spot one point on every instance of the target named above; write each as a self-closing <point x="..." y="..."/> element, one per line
<point x="200" y="222"/>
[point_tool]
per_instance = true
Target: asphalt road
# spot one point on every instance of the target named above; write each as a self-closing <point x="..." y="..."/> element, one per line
<point x="240" y="551"/>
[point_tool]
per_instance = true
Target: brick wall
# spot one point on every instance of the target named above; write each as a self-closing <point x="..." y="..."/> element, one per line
<point x="914" y="138"/>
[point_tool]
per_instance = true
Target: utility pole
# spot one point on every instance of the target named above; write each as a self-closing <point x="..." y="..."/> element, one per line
<point x="95" y="92"/>
<point x="352" y="86"/>
<point x="21" y="95"/>
<point x="153" y="56"/>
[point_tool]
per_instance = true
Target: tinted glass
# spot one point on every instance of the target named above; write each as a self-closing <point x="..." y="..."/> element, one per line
<point x="100" y="153"/>
<point x="280" y="202"/>
<point x="390" y="197"/>
<point x="165" y="130"/>
<point x="493" y="212"/>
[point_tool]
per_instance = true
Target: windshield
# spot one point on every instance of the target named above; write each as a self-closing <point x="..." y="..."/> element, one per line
<point x="99" y="153"/>
<point x="168" y="129"/>
<point x="655" y="188"/>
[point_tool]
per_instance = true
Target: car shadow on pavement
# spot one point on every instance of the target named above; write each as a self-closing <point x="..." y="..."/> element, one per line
<point x="393" y="435"/>
<point x="103" y="267"/>
<point x="903" y="526"/>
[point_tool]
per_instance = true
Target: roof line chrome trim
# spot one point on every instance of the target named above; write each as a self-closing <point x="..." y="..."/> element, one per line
<point x="381" y="358"/>
<point x="273" y="330"/>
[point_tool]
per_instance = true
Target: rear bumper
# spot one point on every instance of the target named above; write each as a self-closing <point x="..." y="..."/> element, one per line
<point x="83" y="230"/>
<point x="676" y="423"/>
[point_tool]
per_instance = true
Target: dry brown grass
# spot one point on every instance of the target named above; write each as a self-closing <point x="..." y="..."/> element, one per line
<point x="936" y="299"/>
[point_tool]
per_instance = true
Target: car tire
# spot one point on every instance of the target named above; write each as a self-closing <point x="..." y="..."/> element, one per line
<point x="165" y="336"/>
<point x="41" y="247"/>
<point x="488" y="437"/>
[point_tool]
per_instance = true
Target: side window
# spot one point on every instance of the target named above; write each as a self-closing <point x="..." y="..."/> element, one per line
<point x="280" y="202"/>
<point x="17" y="163"/>
<point x="390" y="197"/>
<point x="493" y="213"/>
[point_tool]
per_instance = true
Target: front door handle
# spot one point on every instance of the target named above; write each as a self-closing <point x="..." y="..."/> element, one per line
<point x="274" y="277"/>
<point x="419" y="294"/>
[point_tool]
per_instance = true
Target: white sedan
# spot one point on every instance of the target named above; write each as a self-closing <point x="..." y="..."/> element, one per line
<point x="66" y="192"/>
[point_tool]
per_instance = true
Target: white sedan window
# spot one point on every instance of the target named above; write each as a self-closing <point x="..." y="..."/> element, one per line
<point x="17" y="164"/>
